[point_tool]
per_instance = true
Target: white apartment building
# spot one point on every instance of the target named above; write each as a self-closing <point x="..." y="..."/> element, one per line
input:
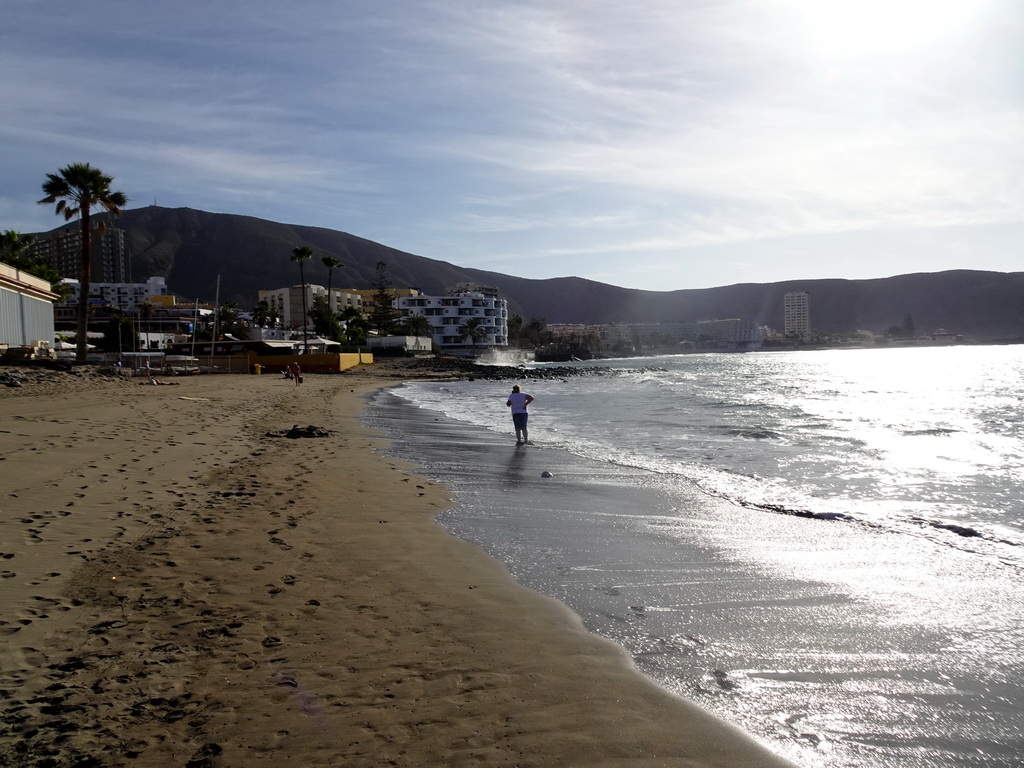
<point x="288" y="301"/>
<point x="730" y="331"/>
<point x="448" y="315"/>
<point x="127" y="297"/>
<point x="797" y="314"/>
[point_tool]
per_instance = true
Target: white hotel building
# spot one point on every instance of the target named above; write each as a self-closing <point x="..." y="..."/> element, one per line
<point x="127" y="297"/>
<point x="448" y="314"/>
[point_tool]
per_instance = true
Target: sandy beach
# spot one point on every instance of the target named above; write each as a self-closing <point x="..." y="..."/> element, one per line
<point x="181" y="585"/>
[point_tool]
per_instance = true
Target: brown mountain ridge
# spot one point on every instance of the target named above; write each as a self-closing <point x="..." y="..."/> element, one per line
<point x="192" y="248"/>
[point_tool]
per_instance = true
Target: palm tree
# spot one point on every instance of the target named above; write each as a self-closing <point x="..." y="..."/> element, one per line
<point x="302" y="254"/>
<point x="146" y="311"/>
<point x="228" y="319"/>
<point x="473" y="329"/>
<point x="332" y="263"/>
<point x="261" y="314"/>
<point x="417" y="325"/>
<point x="76" y="190"/>
<point x="274" y="317"/>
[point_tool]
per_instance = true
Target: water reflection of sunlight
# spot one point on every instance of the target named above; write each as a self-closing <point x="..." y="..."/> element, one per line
<point x="913" y="412"/>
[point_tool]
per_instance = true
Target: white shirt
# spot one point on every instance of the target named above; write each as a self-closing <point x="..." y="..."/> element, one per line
<point x="518" y="400"/>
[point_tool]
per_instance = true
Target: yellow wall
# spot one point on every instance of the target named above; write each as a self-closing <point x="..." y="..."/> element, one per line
<point x="332" y="363"/>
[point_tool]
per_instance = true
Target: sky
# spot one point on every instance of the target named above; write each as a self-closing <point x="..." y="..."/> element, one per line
<point x="659" y="145"/>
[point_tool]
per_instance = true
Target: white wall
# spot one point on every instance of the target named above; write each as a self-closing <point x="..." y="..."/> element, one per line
<point x="26" y="308"/>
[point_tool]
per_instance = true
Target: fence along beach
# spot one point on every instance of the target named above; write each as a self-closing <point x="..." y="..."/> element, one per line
<point x="179" y="587"/>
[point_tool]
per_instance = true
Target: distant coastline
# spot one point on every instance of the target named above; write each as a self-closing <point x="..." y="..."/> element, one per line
<point x="192" y="248"/>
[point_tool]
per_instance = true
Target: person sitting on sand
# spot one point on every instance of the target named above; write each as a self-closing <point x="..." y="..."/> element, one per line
<point x="518" y="401"/>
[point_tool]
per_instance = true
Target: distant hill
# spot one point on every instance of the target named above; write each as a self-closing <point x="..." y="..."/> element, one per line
<point x="191" y="248"/>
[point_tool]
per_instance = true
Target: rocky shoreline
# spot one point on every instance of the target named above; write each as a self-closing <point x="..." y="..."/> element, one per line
<point x="446" y="367"/>
<point x="39" y="379"/>
<point x="36" y="379"/>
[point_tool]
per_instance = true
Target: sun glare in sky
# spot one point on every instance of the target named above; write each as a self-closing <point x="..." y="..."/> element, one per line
<point x="867" y="27"/>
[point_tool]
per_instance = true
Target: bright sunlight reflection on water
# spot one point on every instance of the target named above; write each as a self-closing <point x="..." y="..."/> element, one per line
<point x="824" y="547"/>
<point x="916" y="418"/>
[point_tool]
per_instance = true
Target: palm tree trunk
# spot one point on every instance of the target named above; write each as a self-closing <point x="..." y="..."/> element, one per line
<point x="305" y="311"/>
<point x="84" y="287"/>
<point x="330" y="276"/>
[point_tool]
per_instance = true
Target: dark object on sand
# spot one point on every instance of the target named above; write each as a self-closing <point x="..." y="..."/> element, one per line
<point x="296" y="432"/>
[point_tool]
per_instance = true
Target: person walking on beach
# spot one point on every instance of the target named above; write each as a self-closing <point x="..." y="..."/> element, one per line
<point x="297" y="374"/>
<point x="518" y="401"/>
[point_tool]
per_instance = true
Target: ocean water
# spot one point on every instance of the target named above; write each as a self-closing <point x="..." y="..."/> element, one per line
<point x="826" y="548"/>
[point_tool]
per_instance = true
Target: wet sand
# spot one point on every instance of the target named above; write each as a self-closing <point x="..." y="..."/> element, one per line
<point x="179" y="588"/>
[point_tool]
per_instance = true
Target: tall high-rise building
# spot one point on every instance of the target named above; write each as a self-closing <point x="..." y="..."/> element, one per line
<point x="797" y="314"/>
<point x="63" y="249"/>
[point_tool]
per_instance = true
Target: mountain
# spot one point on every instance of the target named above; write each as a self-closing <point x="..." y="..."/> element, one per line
<point x="191" y="248"/>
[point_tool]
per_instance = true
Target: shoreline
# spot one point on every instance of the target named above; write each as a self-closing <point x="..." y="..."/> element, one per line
<point x="197" y="591"/>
